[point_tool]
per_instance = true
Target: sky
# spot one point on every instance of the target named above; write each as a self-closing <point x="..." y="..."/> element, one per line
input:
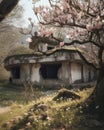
<point x="28" y="11"/>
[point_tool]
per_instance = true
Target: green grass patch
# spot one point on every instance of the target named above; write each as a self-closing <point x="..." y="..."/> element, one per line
<point x="11" y="93"/>
<point x="44" y="113"/>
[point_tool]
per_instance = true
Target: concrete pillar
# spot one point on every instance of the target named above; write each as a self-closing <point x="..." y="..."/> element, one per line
<point x="25" y="72"/>
<point x="64" y="72"/>
<point x="30" y="72"/>
<point x="76" y="72"/>
<point x="35" y="74"/>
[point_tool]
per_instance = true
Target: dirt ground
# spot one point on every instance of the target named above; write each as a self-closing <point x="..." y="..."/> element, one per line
<point x="4" y="109"/>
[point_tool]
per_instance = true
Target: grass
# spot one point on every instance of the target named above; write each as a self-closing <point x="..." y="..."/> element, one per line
<point x="15" y="111"/>
<point x="64" y="115"/>
<point x="14" y="97"/>
<point x="10" y="94"/>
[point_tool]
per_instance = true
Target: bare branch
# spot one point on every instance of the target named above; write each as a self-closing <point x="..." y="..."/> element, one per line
<point x="70" y="49"/>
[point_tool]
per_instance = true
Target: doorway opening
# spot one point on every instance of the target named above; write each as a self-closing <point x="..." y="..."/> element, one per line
<point x="50" y="71"/>
<point x="16" y="72"/>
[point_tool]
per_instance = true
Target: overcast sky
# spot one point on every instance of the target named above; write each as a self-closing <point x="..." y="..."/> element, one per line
<point x="28" y="10"/>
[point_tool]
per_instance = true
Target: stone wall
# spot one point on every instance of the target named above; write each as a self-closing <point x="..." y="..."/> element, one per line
<point x="68" y="73"/>
<point x="72" y="69"/>
<point x="30" y="72"/>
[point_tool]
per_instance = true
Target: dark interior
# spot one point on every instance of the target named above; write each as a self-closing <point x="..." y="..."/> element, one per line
<point x="49" y="47"/>
<point x="16" y="72"/>
<point x="50" y="71"/>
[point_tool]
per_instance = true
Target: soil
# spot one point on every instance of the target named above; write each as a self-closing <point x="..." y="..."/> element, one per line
<point x="4" y="109"/>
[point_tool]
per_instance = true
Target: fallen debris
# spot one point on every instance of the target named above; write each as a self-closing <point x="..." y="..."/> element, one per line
<point x="64" y="94"/>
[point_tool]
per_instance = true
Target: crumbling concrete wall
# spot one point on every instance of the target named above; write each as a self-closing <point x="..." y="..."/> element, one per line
<point x="30" y="72"/>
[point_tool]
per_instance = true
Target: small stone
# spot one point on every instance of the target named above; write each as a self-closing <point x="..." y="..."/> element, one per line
<point x="96" y="123"/>
<point x="28" y="123"/>
<point x="42" y="107"/>
<point x="97" y="107"/>
<point x="19" y="118"/>
<point x="31" y="119"/>
<point x="11" y="112"/>
<point x="44" y="116"/>
<point x="81" y="112"/>
<point x="25" y="114"/>
<point x="5" y="124"/>
<point x="20" y="106"/>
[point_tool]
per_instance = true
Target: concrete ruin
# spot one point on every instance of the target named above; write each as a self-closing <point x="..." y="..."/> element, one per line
<point x="61" y="68"/>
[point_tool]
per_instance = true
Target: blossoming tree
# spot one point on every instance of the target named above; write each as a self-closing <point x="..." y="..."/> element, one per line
<point x="82" y="24"/>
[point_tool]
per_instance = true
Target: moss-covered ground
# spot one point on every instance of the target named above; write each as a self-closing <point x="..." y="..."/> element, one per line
<point x="42" y="112"/>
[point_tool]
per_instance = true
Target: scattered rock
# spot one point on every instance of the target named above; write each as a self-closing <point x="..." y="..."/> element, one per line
<point x="20" y="106"/>
<point x="40" y="106"/>
<point x="12" y="122"/>
<point x="28" y="126"/>
<point x="93" y="123"/>
<point x="5" y="125"/>
<point x="44" y="116"/>
<point x="64" y="94"/>
<point x="31" y="119"/>
<point x="43" y="107"/>
<point x="8" y="125"/>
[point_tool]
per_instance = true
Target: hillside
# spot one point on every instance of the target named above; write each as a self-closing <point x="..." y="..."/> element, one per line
<point x="9" y="45"/>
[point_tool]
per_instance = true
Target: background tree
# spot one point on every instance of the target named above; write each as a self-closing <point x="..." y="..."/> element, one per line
<point x="82" y="24"/>
<point x="9" y="35"/>
<point x="6" y="6"/>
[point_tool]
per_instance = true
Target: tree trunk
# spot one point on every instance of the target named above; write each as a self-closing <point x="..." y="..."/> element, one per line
<point x="97" y="102"/>
<point x="99" y="90"/>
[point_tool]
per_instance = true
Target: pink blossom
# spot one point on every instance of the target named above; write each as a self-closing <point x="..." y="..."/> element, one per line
<point x="45" y="31"/>
<point x="62" y="8"/>
<point x="98" y="25"/>
<point x="79" y="16"/>
<point x="83" y="46"/>
<point x="38" y="10"/>
<point x="46" y="44"/>
<point x="98" y="18"/>
<point x="67" y="36"/>
<point x="89" y="27"/>
<point x="29" y="39"/>
<point x="61" y="44"/>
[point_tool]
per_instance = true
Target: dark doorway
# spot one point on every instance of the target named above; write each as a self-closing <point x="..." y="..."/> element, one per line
<point x="49" y="47"/>
<point x="50" y="71"/>
<point x="16" y="72"/>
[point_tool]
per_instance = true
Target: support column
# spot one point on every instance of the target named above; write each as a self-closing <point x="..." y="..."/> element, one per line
<point x="35" y="74"/>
